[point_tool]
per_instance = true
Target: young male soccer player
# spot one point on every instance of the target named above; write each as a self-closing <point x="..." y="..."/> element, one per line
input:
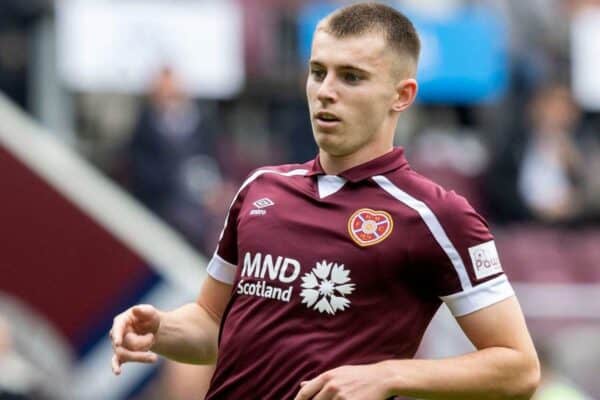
<point x="327" y="273"/>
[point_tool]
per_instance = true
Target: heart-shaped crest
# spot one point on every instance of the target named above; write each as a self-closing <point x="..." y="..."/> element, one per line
<point x="368" y="227"/>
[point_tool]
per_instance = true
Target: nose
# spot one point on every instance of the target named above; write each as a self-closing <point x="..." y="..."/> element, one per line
<point x="327" y="92"/>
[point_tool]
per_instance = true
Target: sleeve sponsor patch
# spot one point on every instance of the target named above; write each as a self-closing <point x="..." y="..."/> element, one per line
<point x="485" y="260"/>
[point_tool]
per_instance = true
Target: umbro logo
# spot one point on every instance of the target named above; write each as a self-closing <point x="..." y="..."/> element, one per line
<point x="264" y="202"/>
<point x="260" y="205"/>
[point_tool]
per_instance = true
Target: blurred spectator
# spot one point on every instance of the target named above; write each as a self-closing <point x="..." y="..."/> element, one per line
<point x="17" y="18"/>
<point x="538" y="171"/>
<point x="290" y="119"/>
<point x="452" y="154"/>
<point x="591" y="146"/>
<point x="172" y="169"/>
<point x="551" y="169"/>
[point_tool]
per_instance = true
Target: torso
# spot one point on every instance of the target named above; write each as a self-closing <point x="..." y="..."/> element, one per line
<point x="324" y="279"/>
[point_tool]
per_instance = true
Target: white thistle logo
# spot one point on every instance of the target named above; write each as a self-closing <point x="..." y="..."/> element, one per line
<point x="326" y="288"/>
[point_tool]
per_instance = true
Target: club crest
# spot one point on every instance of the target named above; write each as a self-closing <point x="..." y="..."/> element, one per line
<point x="368" y="227"/>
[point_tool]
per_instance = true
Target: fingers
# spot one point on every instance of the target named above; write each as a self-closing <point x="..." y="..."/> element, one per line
<point x="118" y="329"/>
<point x="132" y="336"/>
<point x="116" y="366"/>
<point x="143" y="312"/>
<point x="116" y="336"/>
<point x="145" y="318"/>
<point x="310" y="388"/>
<point x="142" y="318"/>
<point x="134" y="348"/>
<point x="134" y="342"/>
<point x="123" y="355"/>
<point x="328" y="393"/>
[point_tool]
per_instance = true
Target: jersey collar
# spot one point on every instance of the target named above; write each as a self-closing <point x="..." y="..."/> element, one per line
<point x="378" y="166"/>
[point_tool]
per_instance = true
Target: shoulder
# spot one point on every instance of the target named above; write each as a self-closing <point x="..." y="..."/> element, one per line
<point x="284" y="169"/>
<point x="429" y="198"/>
<point x="272" y="173"/>
<point x="276" y="172"/>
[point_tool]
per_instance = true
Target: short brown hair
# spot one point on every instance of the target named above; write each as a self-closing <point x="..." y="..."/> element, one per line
<point x="360" y="18"/>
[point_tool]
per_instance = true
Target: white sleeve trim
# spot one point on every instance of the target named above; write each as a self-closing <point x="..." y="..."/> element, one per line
<point x="479" y="297"/>
<point x="221" y="270"/>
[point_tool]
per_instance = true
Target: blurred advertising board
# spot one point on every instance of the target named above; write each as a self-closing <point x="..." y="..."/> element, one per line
<point x="76" y="251"/>
<point x="119" y="46"/>
<point x="585" y="54"/>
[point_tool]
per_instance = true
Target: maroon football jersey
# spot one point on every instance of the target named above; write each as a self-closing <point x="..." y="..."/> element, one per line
<point x="341" y="270"/>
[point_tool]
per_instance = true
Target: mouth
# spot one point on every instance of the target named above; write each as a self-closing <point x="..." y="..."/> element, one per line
<point x="326" y="120"/>
<point x="326" y="117"/>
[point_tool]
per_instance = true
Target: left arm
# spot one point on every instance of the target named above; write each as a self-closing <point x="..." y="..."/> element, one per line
<point x="505" y="366"/>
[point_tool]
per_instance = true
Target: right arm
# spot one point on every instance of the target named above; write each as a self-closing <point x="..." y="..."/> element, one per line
<point x="188" y="334"/>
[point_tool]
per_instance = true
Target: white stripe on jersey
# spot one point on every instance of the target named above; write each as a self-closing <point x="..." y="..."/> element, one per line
<point x="252" y="177"/>
<point x="219" y="269"/>
<point x="471" y="298"/>
<point x="434" y="227"/>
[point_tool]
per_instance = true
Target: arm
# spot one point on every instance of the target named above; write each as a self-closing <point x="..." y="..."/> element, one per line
<point x="188" y="334"/>
<point x="505" y="366"/>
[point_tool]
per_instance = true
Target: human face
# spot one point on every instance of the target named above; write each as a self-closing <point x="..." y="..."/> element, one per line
<point x="351" y="94"/>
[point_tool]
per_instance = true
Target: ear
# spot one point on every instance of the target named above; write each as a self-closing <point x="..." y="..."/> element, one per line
<point x="406" y="92"/>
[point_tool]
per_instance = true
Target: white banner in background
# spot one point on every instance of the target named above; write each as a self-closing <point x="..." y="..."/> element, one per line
<point x="119" y="46"/>
<point x="585" y="54"/>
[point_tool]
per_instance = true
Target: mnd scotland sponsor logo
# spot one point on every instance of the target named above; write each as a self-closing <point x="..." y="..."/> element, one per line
<point x="325" y="288"/>
<point x="281" y="270"/>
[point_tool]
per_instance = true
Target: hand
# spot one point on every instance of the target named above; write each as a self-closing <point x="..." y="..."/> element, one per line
<point x="133" y="334"/>
<point x="364" y="382"/>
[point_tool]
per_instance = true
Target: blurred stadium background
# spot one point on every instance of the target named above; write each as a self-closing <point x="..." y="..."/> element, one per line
<point x="126" y="126"/>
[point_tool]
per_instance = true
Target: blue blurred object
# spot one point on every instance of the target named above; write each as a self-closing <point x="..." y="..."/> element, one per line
<point x="308" y="18"/>
<point x="464" y="58"/>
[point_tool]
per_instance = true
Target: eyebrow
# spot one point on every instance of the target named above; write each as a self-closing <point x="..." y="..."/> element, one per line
<point x="342" y="67"/>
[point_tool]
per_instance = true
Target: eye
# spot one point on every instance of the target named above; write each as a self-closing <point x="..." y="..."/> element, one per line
<point x="351" y="77"/>
<point x="318" y="74"/>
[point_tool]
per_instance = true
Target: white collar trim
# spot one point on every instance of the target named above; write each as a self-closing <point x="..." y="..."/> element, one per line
<point x="329" y="184"/>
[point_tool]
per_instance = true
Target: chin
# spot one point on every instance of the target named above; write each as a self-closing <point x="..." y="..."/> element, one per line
<point x="324" y="140"/>
<point x="332" y="147"/>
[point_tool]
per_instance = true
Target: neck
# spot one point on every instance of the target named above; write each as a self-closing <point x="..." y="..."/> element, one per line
<point x="333" y="165"/>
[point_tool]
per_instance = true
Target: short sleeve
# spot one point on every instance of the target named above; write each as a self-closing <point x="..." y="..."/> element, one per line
<point x="223" y="264"/>
<point x="460" y="258"/>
